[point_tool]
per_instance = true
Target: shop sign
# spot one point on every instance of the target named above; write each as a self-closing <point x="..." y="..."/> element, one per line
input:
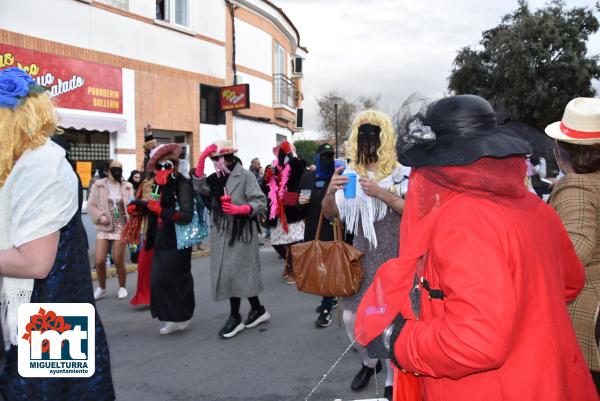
<point x="72" y="83"/>
<point x="235" y="97"/>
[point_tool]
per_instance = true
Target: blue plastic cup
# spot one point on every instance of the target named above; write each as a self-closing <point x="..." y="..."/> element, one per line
<point x="340" y="163"/>
<point x="350" y="187"/>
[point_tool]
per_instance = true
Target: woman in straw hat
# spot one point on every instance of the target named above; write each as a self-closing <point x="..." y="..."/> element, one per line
<point x="43" y="247"/>
<point x="576" y="198"/>
<point x="235" y="199"/>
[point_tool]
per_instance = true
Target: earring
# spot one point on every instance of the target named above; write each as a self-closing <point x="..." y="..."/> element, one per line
<point x="173" y="175"/>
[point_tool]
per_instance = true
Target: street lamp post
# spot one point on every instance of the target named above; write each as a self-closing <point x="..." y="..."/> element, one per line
<point x="336" y="100"/>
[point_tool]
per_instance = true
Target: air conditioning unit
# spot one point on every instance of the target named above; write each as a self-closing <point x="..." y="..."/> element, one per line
<point x="298" y="66"/>
<point x="299" y="118"/>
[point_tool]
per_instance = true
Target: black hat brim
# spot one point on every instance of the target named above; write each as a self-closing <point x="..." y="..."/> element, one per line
<point x="501" y="143"/>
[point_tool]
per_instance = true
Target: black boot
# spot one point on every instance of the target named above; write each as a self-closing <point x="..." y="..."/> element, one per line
<point x="388" y="393"/>
<point x="362" y="378"/>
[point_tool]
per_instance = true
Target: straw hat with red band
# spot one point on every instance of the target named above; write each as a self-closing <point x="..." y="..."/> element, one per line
<point x="580" y="124"/>
<point x="164" y="151"/>
<point x="224" y="147"/>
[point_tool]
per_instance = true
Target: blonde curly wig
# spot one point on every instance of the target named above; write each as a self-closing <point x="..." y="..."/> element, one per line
<point x="386" y="154"/>
<point x="26" y="127"/>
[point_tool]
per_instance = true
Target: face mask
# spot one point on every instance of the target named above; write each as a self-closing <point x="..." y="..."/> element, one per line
<point x="220" y="165"/>
<point x="325" y="166"/>
<point x="117" y="173"/>
<point x="163" y="172"/>
<point x="368" y="143"/>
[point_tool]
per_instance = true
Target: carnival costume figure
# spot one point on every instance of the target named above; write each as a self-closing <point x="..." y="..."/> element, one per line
<point x="43" y="247"/>
<point x="373" y="215"/>
<point x="474" y="306"/>
<point x="235" y="199"/>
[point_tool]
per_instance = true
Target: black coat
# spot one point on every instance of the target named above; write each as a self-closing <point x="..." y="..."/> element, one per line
<point x="312" y="211"/>
<point x="178" y="192"/>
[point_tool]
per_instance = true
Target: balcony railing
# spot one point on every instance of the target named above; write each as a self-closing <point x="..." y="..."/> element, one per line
<point x="284" y="91"/>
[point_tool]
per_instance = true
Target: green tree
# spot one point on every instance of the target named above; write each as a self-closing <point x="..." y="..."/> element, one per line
<point x="532" y="64"/>
<point x="306" y="150"/>
<point x="345" y="111"/>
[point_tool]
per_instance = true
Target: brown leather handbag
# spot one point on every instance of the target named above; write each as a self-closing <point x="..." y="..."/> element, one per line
<point x="327" y="268"/>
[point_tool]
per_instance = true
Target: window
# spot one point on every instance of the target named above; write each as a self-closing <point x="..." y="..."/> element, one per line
<point x="284" y="87"/>
<point x="173" y="11"/>
<point x="210" y="106"/>
<point x="279" y="59"/>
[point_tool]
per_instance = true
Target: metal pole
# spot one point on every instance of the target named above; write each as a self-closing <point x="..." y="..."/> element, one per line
<point x="335" y="106"/>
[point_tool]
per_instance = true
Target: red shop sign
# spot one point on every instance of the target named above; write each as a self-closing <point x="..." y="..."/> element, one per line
<point x="235" y="97"/>
<point x="72" y="83"/>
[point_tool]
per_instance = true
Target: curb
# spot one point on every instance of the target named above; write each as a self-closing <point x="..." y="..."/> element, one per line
<point x="132" y="267"/>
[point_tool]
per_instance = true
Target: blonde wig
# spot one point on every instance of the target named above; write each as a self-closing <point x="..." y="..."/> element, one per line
<point x="386" y="153"/>
<point x="26" y="127"/>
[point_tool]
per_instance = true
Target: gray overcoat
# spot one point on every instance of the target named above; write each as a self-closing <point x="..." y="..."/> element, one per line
<point x="235" y="269"/>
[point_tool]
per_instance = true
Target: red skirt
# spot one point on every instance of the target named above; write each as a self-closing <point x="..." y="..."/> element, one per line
<point x="144" y="268"/>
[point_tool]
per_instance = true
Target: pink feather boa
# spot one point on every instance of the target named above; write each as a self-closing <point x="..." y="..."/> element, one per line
<point x="276" y="192"/>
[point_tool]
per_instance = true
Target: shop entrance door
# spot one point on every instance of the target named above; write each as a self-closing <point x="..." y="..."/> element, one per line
<point x="91" y="149"/>
<point x="182" y="138"/>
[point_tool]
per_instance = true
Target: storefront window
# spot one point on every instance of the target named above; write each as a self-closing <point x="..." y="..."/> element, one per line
<point x="88" y="146"/>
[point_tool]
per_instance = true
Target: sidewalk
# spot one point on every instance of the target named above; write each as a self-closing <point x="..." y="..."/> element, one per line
<point x="132" y="267"/>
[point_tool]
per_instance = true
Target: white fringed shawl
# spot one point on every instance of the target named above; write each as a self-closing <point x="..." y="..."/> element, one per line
<point x="39" y="197"/>
<point x="365" y="209"/>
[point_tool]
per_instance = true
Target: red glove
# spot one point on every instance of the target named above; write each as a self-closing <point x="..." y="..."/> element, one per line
<point x="131" y="209"/>
<point x="200" y="166"/>
<point x="286" y="147"/>
<point x="230" y="208"/>
<point x="154" y="207"/>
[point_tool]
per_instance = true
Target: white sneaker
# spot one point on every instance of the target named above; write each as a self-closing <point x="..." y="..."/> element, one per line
<point x="171" y="327"/>
<point x="99" y="293"/>
<point x="122" y="293"/>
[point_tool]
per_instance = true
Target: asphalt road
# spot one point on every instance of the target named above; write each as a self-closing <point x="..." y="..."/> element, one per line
<point x="276" y="361"/>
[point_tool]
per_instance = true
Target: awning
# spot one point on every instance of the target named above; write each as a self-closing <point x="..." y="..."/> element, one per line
<point x="74" y="120"/>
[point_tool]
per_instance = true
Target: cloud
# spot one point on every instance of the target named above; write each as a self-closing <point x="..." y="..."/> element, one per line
<point x="390" y="48"/>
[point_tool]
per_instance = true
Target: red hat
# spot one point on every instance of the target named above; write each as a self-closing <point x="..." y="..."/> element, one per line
<point x="169" y="151"/>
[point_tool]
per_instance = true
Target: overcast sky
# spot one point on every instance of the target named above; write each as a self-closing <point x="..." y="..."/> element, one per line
<point x="390" y="48"/>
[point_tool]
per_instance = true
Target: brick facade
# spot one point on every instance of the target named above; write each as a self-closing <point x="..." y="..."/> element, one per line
<point x="168" y="98"/>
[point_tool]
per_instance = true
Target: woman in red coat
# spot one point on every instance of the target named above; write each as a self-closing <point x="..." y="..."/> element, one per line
<point x="477" y="298"/>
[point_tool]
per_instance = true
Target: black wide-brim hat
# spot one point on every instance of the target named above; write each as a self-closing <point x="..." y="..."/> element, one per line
<point x="456" y="131"/>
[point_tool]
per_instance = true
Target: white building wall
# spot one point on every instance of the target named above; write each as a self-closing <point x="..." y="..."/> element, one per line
<point x="253" y="47"/>
<point x="208" y="18"/>
<point x="256" y="139"/>
<point x="126" y="140"/>
<point x="79" y="24"/>
<point x="261" y="91"/>
<point x="143" y="8"/>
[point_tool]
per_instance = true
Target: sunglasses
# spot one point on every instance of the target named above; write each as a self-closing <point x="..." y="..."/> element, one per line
<point x="164" y="166"/>
<point x="215" y="158"/>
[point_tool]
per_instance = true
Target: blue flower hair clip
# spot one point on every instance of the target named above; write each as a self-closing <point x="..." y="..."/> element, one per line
<point x="15" y="85"/>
